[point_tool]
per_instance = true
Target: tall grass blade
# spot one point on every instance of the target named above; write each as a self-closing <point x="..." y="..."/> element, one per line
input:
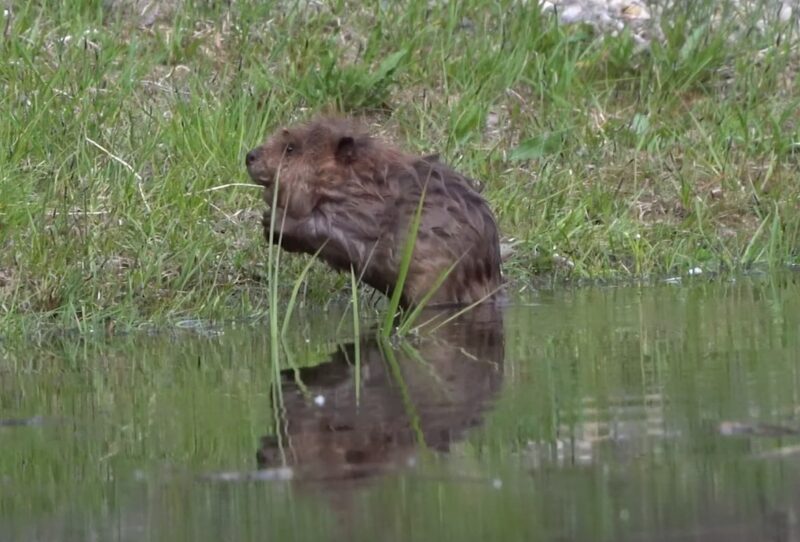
<point x="356" y="333"/>
<point x="405" y="263"/>
<point x="747" y="256"/>
<point x="409" y="319"/>
<point x="296" y="289"/>
<point x="467" y="308"/>
<point x="272" y="274"/>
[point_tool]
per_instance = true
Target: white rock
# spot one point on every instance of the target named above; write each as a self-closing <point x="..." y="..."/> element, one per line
<point x="785" y="13"/>
<point x="571" y="14"/>
<point x="605" y="18"/>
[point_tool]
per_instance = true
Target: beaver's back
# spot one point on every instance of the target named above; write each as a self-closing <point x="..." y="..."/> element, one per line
<point x="457" y="229"/>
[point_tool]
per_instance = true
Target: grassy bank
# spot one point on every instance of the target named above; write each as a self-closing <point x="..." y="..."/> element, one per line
<point x="122" y="139"/>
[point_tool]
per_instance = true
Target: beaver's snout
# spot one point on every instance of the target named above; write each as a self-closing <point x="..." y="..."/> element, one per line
<point x="259" y="172"/>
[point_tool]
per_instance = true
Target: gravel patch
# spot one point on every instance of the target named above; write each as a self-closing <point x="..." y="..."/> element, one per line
<point x="643" y="18"/>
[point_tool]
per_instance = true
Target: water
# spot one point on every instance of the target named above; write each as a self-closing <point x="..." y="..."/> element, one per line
<point x="633" y="413"/>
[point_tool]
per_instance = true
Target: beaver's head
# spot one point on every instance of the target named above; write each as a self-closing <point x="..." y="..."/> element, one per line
<point x="303" y="153"/>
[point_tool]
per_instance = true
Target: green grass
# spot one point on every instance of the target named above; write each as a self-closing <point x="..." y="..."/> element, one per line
<point x="122" y="186"/>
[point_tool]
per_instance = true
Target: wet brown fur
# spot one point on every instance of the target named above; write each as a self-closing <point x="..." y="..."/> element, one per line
<point x="356" y="195"/>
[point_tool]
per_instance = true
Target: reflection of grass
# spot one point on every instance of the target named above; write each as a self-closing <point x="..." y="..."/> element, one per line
<point x="388" y="355"/>
<point x="122" y="189"/>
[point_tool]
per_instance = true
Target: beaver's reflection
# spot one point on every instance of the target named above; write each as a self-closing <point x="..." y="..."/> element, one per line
<point x="426" y="393"/>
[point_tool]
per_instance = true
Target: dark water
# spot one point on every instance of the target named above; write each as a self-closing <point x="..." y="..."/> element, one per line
<point x="654" y="413"/>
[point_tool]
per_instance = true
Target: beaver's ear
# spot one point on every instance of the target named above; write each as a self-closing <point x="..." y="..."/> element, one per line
<point x="346" y="150"/>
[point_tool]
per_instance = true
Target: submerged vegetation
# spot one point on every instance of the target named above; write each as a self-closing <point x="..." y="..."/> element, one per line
<point x="124" y="198"/>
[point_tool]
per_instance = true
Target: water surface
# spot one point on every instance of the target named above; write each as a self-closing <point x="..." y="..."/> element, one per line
<point x="633" y="413"/>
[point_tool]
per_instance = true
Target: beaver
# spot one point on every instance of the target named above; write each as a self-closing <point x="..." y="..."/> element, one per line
<point x="353" y="198"/>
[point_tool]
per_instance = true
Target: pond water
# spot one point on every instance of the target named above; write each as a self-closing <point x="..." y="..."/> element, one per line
<point x="662" y="412"/>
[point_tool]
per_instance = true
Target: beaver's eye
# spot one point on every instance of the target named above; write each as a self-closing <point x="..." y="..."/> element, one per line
<point x="289" y="148"/>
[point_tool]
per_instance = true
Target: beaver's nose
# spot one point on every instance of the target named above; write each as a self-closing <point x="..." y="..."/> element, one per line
<point x="250" y="158"/>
